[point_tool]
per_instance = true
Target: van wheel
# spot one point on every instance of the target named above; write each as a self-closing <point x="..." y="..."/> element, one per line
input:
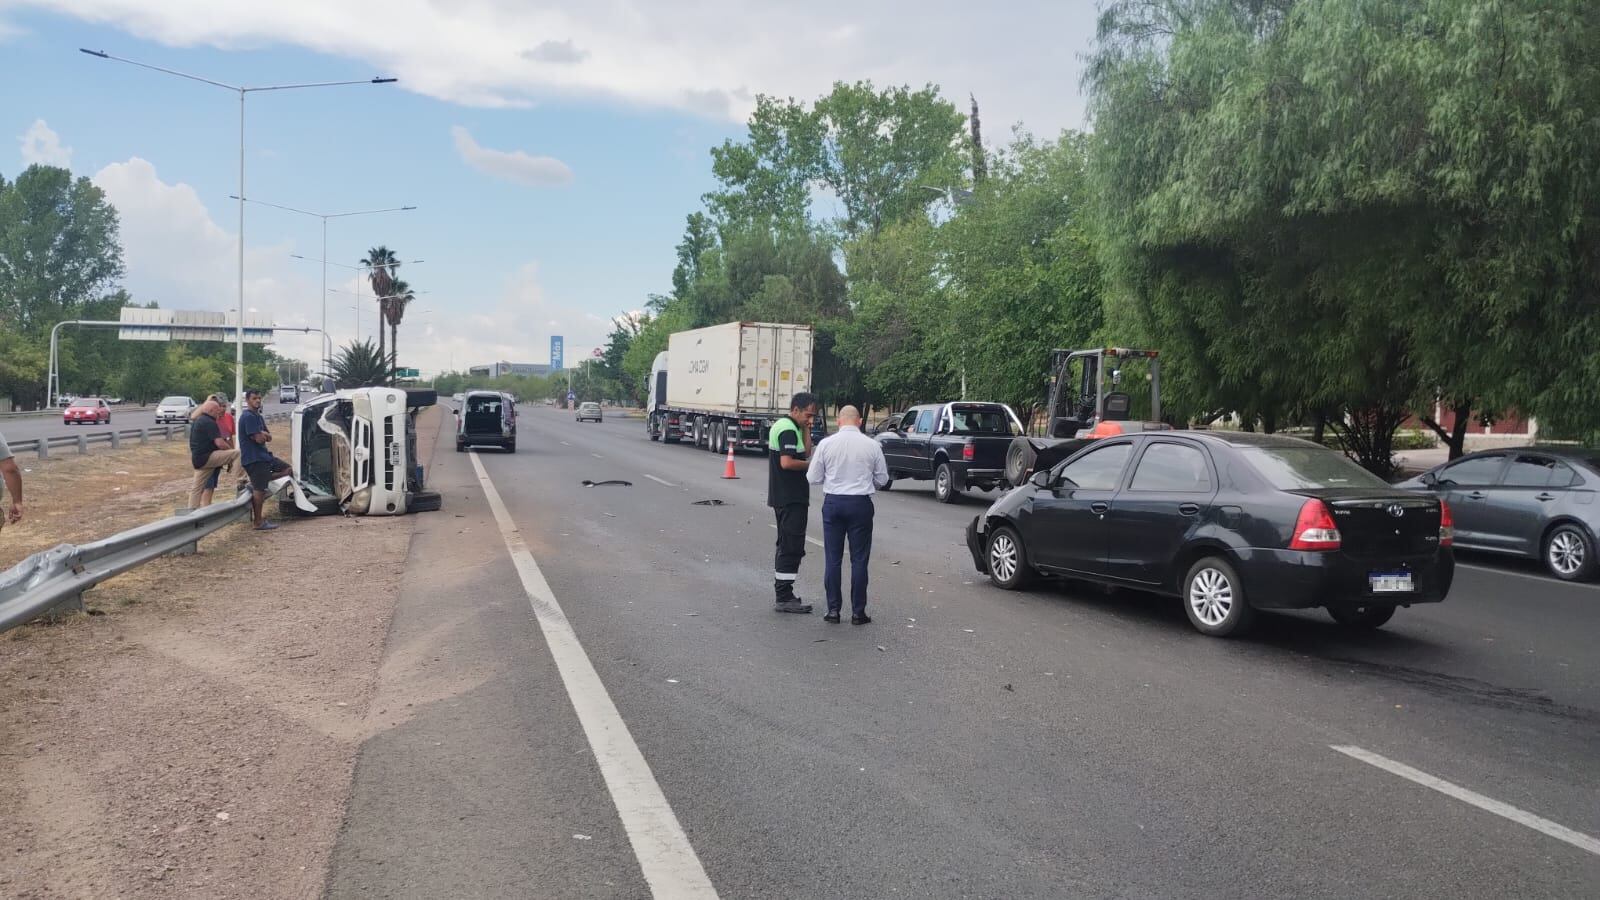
<point x="1362" y="616"/>
<point x="460" y="447"/>
<point x="511" y="446"/>
<point x="1008" y="559"/>
<point x="944" y="484"/>
<point x="1214" y="600"/>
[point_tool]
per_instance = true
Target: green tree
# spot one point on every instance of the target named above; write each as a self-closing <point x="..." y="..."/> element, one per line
<point x="58" y="248"/>
<point x="360" y="364"/>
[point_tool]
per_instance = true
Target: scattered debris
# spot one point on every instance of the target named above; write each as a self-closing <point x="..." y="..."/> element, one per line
<point x="672" y="681"/>
<point x="222" y="817"/>
<point x="1008" y="687"/>
<point x="583" y="837"/>
<point x="881" y="649"/>
<point x="711" y="502"/>
<point x="968" y="630"/>
<point x="609" y="482"/>
<point x="819" y="640"/>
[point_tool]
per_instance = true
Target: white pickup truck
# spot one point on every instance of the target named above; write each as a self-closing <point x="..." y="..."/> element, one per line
<point x="355" y="451"/>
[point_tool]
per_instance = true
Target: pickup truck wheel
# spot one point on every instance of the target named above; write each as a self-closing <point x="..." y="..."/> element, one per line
<point x="944" y="484"/>
<point x="1008" y="559"/>
<point x="1362" y="616"/>
<point x="1214" y="600"/>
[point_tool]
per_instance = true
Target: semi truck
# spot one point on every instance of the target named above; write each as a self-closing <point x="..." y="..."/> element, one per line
<point x="725" y="385"/>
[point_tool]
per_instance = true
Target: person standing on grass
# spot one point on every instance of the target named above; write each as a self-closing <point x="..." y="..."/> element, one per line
<point x="850" y="467"/>
<point x="208" y="451"/>
<point x="788" y="446"/>
<point x="13" y="479"/>
<point x="259" y="463"/>
<point x="225" y="425"/>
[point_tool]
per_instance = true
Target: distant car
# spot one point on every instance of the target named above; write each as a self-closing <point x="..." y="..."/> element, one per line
<point x="114" y="401"/>
<point x="87" y="411"/>
<point x="1533" y="502"/>
<point x="174" y="410"/>
<point x="1228" y="522"/>
<point x="590" y="410"/>
<point x="487" y="418"/>
<point x="65" y="400"/>
<point x="289" y="393"/>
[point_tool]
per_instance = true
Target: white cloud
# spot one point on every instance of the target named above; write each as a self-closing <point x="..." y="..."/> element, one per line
<point x="514" y="165"/>
<point x="9" y="31"/>
<point x="1022" y="61"/>
<point x="40" y="144"/>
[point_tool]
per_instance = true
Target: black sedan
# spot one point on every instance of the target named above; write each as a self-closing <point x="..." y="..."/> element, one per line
<point x="1229" y="522"/>
<point x="1535" y="502"/>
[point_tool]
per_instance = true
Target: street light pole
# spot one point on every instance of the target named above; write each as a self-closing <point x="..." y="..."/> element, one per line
<point x="242" y="90"/>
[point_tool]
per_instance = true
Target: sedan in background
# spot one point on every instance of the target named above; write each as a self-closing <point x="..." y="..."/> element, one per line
<point x="590" y="411"/>
<point x="1229" y="522"/>
<point x="174" y="410"/>
<point x="1533" y="502"/>
<point x="87" y="411"/>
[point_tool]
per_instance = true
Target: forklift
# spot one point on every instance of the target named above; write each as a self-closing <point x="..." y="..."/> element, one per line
<point x="1081" y="409"/>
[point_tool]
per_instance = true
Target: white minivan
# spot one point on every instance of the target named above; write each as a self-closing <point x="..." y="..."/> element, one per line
<point x="355" y="451"/>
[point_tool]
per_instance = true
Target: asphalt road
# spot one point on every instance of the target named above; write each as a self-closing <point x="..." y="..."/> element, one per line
<point x="1061" y="742"/>
<point x="30" y="427"/>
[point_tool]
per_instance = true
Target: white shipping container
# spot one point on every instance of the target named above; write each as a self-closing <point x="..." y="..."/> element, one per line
<point x="738" y="368"/>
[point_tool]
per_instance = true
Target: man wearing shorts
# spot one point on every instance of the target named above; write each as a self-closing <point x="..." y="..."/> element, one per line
<point x="259" y="463"/>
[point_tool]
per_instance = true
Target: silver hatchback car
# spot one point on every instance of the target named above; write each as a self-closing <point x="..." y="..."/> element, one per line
<point x="1536" y="502"/>
<point x="589" y="411"/>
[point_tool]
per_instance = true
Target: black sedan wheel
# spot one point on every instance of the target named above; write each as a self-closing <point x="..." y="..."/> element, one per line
<point x="1362" y="616"/>
<point x="1213" y="598"/>
<point x="1569" y="553"/>
<point x="1008" y="560"/>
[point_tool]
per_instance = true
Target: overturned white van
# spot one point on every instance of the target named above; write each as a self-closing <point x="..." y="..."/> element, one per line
<point x="355" y="451"/>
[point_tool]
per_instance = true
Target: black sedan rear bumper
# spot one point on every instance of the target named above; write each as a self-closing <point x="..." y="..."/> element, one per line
<point x="1297" y="579"/>
<point x="976" y="545"/>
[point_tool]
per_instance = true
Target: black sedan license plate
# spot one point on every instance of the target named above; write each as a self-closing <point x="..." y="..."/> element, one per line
<point x="1391" y="582"/>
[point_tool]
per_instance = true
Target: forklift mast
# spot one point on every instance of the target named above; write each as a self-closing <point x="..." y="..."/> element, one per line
<point x="1077" y="403"/>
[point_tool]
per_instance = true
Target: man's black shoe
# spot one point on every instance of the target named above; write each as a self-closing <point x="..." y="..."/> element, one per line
<point x="860" y="620"/>
<point x="792" y="606"/>
<point x="831" y="618"/>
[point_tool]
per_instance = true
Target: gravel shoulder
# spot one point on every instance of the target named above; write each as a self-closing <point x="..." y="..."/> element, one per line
<point x="194" y="735"/>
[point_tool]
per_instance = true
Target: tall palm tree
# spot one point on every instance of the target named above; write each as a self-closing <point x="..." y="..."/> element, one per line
<point x="382" y="265"/>
<point x="394" y="310"/>
<point x="359" y="364"/>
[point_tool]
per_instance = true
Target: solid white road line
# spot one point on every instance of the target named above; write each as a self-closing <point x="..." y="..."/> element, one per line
<point x="1505" y="810"/>
<point x="665" y="856"/>
<point x="660" y="480"/>
<point x="809" y="538"/>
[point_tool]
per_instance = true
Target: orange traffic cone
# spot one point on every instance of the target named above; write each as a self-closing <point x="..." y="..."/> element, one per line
<point x="727" y="471"/>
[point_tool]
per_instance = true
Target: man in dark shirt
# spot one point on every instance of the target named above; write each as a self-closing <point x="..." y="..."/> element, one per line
<point x="258" y="461"/>
<point x="789" y="495"/>
<point x="208" y="451"/>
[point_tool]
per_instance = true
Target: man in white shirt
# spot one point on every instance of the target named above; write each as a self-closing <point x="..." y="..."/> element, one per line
<point x="850" y="467"/>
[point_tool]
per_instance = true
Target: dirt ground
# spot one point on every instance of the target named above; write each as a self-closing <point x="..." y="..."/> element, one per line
<point x="194" y="735"/>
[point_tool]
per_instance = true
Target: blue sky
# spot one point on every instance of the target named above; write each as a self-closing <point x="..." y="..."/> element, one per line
<point x="552" y="150"/>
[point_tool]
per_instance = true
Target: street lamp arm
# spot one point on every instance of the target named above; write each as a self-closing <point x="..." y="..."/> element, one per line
<point x="368" y="212"/>
<point x="312" y="84"/>
<point x="104" y="55"/>
<point x="302" y="212"/>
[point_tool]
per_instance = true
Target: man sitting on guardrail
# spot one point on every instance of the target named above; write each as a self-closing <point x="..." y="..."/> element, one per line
<point x="208" y="451"/>
<point x="13" y="479"/>
<point x="259" y="463"/>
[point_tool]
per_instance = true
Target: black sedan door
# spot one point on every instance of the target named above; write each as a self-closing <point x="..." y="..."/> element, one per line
<point x="1065" y="529"/>
<point x="1168" y="496"/>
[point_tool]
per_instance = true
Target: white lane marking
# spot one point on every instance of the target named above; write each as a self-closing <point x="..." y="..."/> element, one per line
<point x="809" y="538"/>
<point x="1542" y="579"/>
<point x="665" y="856"/>
<point x="659" y="480"/>
<point x="1488" y="804"/>
<point x="597" y="456"/>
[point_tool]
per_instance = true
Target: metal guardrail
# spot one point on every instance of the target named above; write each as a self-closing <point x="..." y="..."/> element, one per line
<point x="56" y="411"/>
<point x="55" y="579"/>
<point x="43" y="446"/>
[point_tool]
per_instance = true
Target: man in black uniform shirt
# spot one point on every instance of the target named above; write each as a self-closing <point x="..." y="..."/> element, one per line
<point x="789" y="495"/>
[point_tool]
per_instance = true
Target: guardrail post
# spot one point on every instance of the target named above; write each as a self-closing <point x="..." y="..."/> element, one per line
<point x="44" y="448"/>
<point x="116" y="441"/>
<point x="144" y="435"/>
<point x="83" y="445"/>
<point x="72" y="604"/>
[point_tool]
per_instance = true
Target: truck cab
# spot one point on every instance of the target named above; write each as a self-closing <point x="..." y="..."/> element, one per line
<point x="957" y="445"/>
<point x="355" y="451"/>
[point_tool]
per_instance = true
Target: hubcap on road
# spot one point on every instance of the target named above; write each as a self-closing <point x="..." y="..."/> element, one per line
<point x="1566" y="553"/>
<point x="1210" y="596"/>
<point x="1003" y="557"/>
